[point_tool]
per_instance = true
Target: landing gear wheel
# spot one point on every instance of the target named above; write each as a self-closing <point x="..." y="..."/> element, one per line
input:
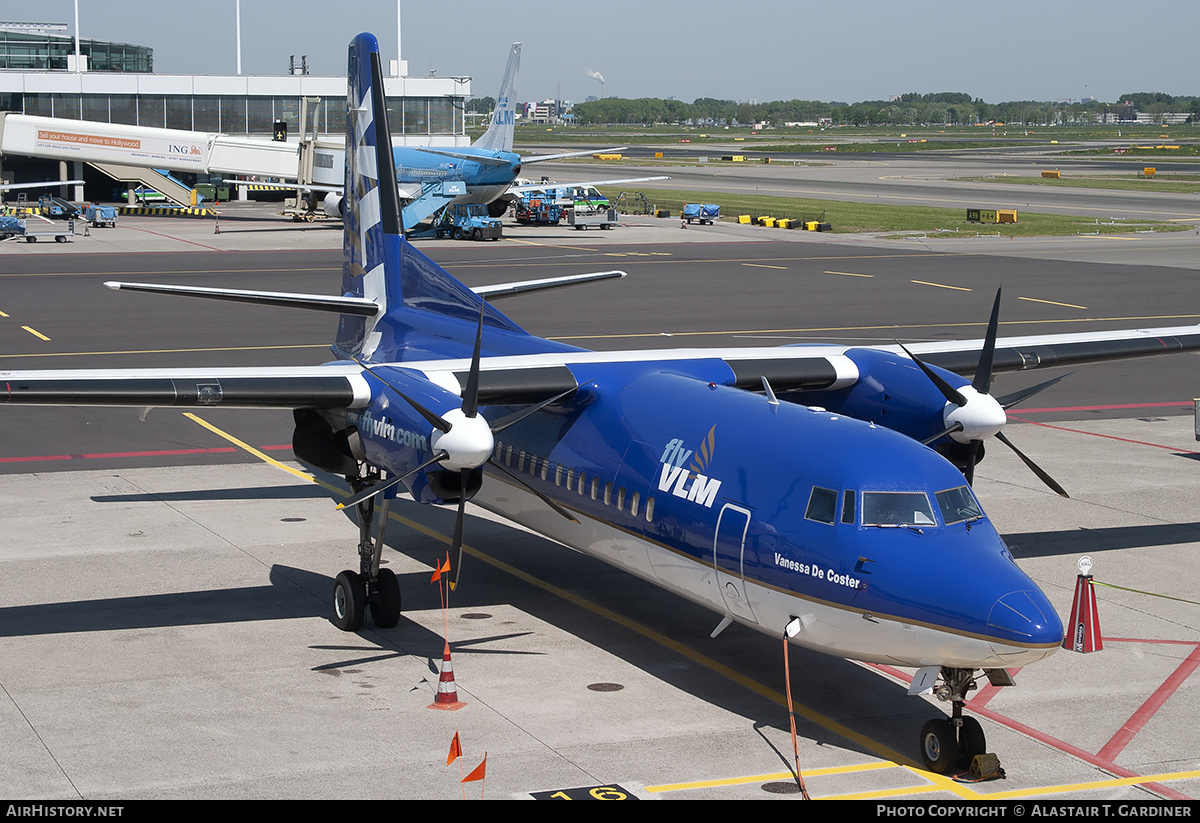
<point x="385" y="605"/>
<point x="971" y="741"/>
<point x="349" y="601"/>
<point x="939" y="748"/>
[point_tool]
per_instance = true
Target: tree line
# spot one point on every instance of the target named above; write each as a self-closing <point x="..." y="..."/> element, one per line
<point x="942" y="108"/>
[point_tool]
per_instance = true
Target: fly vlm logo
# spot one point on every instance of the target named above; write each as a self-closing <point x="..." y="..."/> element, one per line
<point x="689" y="483"/>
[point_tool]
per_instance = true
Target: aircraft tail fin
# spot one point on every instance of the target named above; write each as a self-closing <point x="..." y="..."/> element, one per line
<point x="378" y="264"/>
<point x="499" y="136"/>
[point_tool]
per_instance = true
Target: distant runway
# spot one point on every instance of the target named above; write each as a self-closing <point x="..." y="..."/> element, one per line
<point x="907" y="180"/>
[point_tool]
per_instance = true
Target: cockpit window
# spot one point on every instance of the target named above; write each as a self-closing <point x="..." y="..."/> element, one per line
<point x="896" y="509"/>
<point x="958" y="505"/>
<point x="821" y="505"/>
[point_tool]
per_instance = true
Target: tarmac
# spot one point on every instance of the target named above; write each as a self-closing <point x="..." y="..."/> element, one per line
<point x="165" y="631"/>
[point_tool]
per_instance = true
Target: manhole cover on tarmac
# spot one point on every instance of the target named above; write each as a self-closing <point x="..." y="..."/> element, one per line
<point x="605" y="687"/>
<point x="781" y="787"/>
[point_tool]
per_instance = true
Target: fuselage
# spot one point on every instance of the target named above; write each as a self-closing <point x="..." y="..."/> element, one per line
<point x="485" y="181"/>
<point x="762" y="512"/>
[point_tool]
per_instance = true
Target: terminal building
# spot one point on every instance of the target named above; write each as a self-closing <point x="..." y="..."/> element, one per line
<point x="114" y="83"/>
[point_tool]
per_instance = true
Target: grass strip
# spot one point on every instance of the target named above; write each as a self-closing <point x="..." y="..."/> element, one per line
<point x="848" y="217"/>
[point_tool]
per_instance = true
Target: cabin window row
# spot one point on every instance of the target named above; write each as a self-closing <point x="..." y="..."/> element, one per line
<point x="575" y="479"/>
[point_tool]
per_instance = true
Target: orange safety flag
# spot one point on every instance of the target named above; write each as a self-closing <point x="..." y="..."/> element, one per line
<point x="479" y="771"/>
<point x="455" y="750"/>
<point x="437" y="573"/>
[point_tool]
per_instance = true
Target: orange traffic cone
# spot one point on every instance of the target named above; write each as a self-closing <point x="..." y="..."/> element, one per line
<point x="447" y="693"/>
<point x="1083" y="629"/>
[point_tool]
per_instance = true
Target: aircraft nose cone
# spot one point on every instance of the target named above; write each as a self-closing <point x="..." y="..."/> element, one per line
<point x="1020" y="620"/>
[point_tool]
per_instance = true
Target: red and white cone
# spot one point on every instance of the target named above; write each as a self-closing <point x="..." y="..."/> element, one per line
<point x="1083" y="629"/>
<point x="447" y="693"/>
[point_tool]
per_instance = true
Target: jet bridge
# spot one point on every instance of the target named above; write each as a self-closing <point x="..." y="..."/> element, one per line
<point x="170" y="149"/>
<point x="134" y="153"/>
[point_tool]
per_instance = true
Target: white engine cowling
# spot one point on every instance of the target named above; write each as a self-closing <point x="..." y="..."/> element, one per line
<point x="333" y="205"/>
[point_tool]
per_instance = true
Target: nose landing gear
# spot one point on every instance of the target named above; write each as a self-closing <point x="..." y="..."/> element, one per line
<point x="952" y="743"/>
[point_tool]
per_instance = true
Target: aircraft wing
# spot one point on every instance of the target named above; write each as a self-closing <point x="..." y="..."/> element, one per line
<point x="333" y="386"/>
<point x="1048" y="350"/>
<point x="284" y="186"/>
<point x="541" y="158"/>
<point x="525" y="378"/>
<point x="807" y="367"/>
<point x="544" y="186"/>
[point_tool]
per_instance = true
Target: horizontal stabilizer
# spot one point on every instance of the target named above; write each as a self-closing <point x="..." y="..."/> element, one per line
<point x="509" y="289"/>
<point x="462" y="155"/>
<point x="317" y="302"/>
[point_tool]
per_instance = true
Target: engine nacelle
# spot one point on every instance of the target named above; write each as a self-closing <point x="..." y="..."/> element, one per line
<point x="891" y="391"/>
<point x="333" y="205"/>
<point x="318" y="444"/>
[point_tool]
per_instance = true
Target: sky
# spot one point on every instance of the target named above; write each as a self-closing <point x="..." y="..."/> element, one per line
<point x="845" y="51"/>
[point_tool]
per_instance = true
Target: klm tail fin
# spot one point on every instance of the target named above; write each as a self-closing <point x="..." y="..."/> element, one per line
<point x="499" y="136"/>
<point x="377" y="262"/>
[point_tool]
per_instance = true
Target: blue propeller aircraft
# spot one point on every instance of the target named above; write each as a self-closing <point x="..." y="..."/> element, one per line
<point x="488" y="167"/>
<point x="816" y="490"/>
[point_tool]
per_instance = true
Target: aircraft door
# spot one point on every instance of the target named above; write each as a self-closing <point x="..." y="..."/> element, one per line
<point x="729" y="548"/>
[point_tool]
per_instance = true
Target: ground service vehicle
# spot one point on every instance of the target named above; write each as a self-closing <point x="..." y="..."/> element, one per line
<point x="100" y="216"/>
<point x="57" y="207"/>
<point x="33" y="227"/>
<point x="706" y="213"/>
<point x="470" y="222"/>
<point x="539" y="207"/>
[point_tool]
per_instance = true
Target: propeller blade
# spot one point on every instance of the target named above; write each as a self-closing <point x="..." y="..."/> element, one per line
<point x="456" y="548"/>
<point x="1045" y="478"/>
<point x="951" y="394"/>
<point x="1009" y="400"/>
<point x="983" y="372"/>
<point x="470" y="404"/>
<point x="530" y="488"/>
<point x="380" y="488"/>
<point x="517" y="416"/>
<point x="972" y="459"/>
<point x="957" y="427"/>
<point x="431" y="418"/>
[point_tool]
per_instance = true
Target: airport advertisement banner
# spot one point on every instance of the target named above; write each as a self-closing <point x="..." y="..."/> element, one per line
<point x="104" y="143"/>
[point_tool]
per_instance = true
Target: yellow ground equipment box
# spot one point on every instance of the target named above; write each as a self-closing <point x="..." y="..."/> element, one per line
<point x="606" y="157"/>
<point x="744" y="218"/>
<point x="1051" y="174"/>
<point x="991" y="215"/>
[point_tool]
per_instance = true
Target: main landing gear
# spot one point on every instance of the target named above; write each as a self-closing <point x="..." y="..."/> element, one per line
<point x="952" y="743"/>
<point x="369" y="588"/>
